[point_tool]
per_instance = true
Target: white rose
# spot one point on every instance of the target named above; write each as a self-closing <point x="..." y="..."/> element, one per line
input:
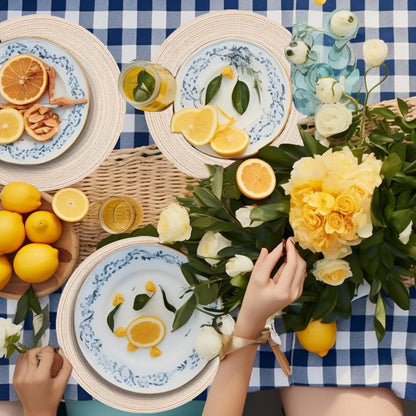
<point x="174" y="224"/>
<point x="243" y="217"/>
<point x="333" y="272"/>
<point x="328" y="90"/>
<point x="7" y="328"/>
<point x="209" y="246"/>
<point x="297" y="52"/>
<point x="227" y="324"/>
<point x="375" y="52"/>
<point x="208" y="343"/>
<point x="238" y="264"/>
<point x="331" y="119"/>
<point x="404" y="236"/>
<point x="343" y="23"/>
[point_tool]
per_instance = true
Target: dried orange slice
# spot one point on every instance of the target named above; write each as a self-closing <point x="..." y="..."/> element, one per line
<point x="11" y="125"/>
<point x="70" y="204"/>
<point x="230" y="141"/>
<point x="255" y="178"/>
<point x="23" y="79"/>
<point x="41" y="123"/>
<point x="146" y="331"/>
<point x="198" y="125"/>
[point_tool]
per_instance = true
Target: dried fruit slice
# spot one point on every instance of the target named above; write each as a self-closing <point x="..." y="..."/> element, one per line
<point x="41" y="123"/>
<point x="230" y="141"/>
<point x="23" y="79"/>
<point x="255" y="178"/>
<point x="146" y="331"/>
<point x="198" y="125"/>
<point x="11" y="125"/>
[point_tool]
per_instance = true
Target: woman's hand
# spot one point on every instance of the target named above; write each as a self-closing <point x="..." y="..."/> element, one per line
<point x="266" y="295"/>
<point x="40" y="392"/>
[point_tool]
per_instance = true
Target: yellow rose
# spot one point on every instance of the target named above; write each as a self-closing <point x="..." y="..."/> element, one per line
<point x="346" y="204"/>
<point x="300" y="193"/>
<point x="322" y="202"/>
<point x="334" y="223"/>
<point x="340" y="163"/>
<point x="350" y="233"/>
<point x="312" y="220"/>
<point x="333" y="272"/>
<point x="302" y="234"/>
<point x="321" y="240"/>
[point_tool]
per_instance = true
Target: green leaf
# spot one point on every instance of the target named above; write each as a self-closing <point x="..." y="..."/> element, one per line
<point x="270" y="212"/>
<point x="380" y="318"/>
<point x="326" y="303"/>
<point x="377" y="216"/>
<point x="199" y="265"/>
<point x="401" y="219"/>
<point x="375" y="288"/>
<point x="212" y="88"/>
<point x="398" y="292"/>
<point x="23" y="307"/>
<point x="168" y="305"/>
<point x="312" y="145"/>
<point x="140" y="301"/>
<point x="384" y="112"/>
<point x="189" y="274"/>
<point x="391" y="166"/>
<point x="372" y="241"/>
<point x="184" y="313"/>
<point x="206" y="292"/>
<point x="207" y="198"/>
<point x="240" y="97"/>
<point x="110" y="317"/>
<point x="147" y="231"/>
<point x="403" y="107"/>
<point x="44" y="326"/>
<point x="145" y="86"/>
<point x="34" y="301"/>
<point x="217" y="178"/>
<point x="241" y="280"/>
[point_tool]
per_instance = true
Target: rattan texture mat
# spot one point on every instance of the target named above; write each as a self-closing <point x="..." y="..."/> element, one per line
<point x="142" y="173"/>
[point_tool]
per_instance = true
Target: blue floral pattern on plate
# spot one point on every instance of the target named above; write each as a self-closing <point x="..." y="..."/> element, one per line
<point x="70" y="82"/>
<point x="269" y="86"/>
<point x="126" y="271"/>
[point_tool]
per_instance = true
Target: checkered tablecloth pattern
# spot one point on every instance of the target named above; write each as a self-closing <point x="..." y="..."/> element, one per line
<point x="136" y="28"/>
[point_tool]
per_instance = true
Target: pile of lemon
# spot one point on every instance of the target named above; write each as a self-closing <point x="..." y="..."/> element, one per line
<point x="27" y="234"/>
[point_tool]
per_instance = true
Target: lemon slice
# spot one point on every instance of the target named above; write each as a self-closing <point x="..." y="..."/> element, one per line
<point x="255" y="178"/>
<point x="12" y="125"/>
<point x="230" y="141"/>
<point x="70" y="204"/>
<point x="23" y="79"/>
<point x="198" y="125"/>
<point x="146" y="331"/>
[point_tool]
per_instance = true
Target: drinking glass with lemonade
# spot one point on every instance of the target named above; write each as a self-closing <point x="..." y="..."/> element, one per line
<point x="147" y="86"/>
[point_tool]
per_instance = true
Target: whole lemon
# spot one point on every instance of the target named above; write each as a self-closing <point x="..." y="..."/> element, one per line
<point x="20" y="197"/>
<point x="36" y="262"/>
<point x="5" y="271"/>
<point x="318" y="337"/>
<point x="43" y="227"/>
<point x="12" y="231"/>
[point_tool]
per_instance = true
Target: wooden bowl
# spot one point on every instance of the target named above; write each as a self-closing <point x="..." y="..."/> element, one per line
<point x="68" y="246"/>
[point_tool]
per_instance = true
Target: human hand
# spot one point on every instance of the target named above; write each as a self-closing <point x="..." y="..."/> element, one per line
<point x="40" y="392"/>
<point x="265" y="295"/>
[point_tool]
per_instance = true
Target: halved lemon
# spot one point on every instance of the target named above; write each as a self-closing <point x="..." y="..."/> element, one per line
<point x="255" y="178"/>
<point x="12" y="125"/>
<point x="70" y="204"/>
<point x="230" y="141"/>
<point x="198" y="125"/>
<point x="23" y="79"/>
<point x="146" y="331"/>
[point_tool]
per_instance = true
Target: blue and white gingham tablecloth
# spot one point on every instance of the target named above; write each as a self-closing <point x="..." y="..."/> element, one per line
<point x="136" y="28"/>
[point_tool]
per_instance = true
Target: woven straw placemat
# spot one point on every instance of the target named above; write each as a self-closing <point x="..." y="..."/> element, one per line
<point x="107" y="107"/>
<point x="181" y="44"/>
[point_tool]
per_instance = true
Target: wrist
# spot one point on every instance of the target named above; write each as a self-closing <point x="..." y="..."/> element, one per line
<point x="248" y="328"/>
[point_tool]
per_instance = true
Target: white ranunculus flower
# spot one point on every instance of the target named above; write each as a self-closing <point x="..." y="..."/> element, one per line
<point x="243" y="216"/>
<point x="322" y="139"/>
<point x="7" y="328"/>
<point x="208" y="342"/>
<point x="174" y="224"/>
<point x="297" y="52"/>
<point x="404" y="236"/>
<point x="343" y="23"/>
<point x="209" y="246"/>
<point x="227" y="324"/>
<point x="331" y="119"/>
<point x="329" y="90"/>
<point x="375" y="52"/>
<point x="238" y="264"/>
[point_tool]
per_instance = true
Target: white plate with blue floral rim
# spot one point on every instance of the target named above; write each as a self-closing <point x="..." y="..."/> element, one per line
<point x="70" y="81"/>
<point x="267" y="81"/>
<point x="126" y="271"/>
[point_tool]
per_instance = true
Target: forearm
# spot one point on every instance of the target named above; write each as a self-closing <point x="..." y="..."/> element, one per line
<point x="228" y="392"/>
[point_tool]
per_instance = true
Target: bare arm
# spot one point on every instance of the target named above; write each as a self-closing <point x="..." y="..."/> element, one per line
<point x="264" y="297"/>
